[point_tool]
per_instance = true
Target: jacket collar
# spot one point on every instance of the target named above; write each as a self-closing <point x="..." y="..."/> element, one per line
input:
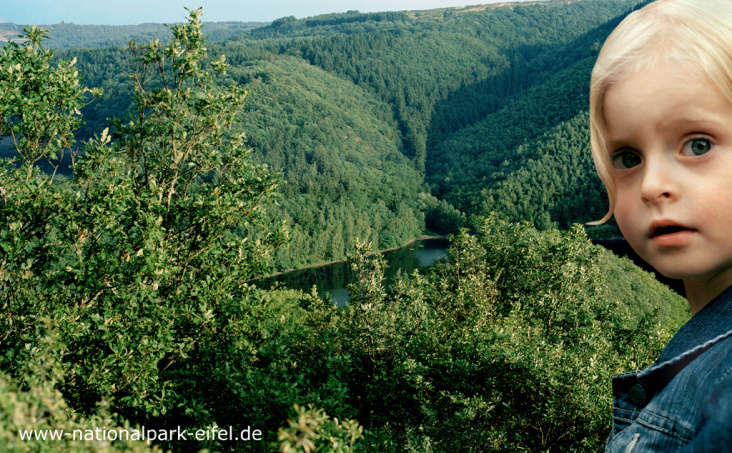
<point x="709" y="326"/>
<point x="711" y="322"/>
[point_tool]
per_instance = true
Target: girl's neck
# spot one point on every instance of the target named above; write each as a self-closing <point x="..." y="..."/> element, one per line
<point x="700" y="291"/>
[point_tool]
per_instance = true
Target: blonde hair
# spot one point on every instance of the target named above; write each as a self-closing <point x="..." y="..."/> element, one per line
<point x="696" y="34"/>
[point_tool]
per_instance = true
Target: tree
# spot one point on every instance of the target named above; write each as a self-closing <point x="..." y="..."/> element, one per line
<point x="135" y="264"/>
<point x="40" y="103"/>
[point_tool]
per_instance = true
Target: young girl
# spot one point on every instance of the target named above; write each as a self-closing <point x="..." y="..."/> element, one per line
<point x="661" y="122"/>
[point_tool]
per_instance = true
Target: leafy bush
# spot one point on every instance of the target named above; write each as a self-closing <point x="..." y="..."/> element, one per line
<point x="135" y="259"/>
<point x="313" y="430"/>
<point x="41" y="410"/>
<point x="509" y="345"/>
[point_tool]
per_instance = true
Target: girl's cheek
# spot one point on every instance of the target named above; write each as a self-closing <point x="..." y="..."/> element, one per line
<point x="625" y="218"/>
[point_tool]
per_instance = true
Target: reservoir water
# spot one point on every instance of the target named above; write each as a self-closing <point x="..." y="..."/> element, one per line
<point x="333" y="278"/>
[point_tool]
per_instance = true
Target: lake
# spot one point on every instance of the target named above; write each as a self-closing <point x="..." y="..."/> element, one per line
<point x="333" y="278"/>
<point x="7" y="150"/>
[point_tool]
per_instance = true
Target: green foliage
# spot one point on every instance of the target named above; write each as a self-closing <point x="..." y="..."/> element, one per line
<point x="440" y="73"/>
<point x="40" y="101"/>
<point x="313" y="430"/>
<point x="507" y="346"/>
<point x="541" y="133"/>
<point x="40" y="409"/>
<point x="440" y="216"/>
<point x="545" y="121"/>
<point x="339" y="154"/>
<point x="550" y="189"/>
<point x="135" y="259"/>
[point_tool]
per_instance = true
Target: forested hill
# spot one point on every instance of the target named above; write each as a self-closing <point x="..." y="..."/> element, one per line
<point x="388" y="125"/>
<point x="75" y="36"/>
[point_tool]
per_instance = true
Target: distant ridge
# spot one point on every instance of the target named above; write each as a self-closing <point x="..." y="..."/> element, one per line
<point x="9" y="32"/>
<point x="67" y="35"/>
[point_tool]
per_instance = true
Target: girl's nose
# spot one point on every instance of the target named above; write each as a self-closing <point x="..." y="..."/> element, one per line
<point x="658" y="182"/>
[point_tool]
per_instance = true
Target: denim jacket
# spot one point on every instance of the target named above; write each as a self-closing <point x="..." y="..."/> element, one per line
<point x="683" y="402"/>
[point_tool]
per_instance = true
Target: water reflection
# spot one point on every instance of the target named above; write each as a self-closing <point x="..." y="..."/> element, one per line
<point x="333" y="278"/>
<point x="7" y="150"/>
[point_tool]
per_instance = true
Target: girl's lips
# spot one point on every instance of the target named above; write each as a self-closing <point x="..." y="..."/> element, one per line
<point x="664" y="226"/>
<point x="676" y="239"/>
<point x="671" y="229"/>
<point x="666" y="233"/>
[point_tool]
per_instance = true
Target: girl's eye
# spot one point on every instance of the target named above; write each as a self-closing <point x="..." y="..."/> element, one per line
<point x="626" y="159"/>
<point x="696" y="147"/>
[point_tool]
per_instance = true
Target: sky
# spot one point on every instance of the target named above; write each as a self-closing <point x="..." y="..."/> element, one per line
<point x="130" y="12"/>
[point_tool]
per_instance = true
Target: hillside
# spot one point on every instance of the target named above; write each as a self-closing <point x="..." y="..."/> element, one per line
<point x="440" y="106"/>
<point x="76" y="36"/>
<point x="338" y="151"/>
<point x="9" y="33"/>
<point x="502" y="162"/>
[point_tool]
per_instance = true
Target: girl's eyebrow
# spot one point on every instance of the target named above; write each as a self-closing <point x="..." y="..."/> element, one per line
<point x="617" y="144"/>
<point x="696" y="123"/>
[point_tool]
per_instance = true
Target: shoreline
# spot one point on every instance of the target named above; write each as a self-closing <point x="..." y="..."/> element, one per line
<point x="327" y="263"/>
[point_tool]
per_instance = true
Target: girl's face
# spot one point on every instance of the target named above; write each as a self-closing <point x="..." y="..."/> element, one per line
<point x="669" y="130"/>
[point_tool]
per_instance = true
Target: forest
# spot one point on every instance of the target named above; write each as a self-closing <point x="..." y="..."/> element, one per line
<point x="74" y="36"/>
<point x="176" y="170"/>
<point x="380" y="124"/>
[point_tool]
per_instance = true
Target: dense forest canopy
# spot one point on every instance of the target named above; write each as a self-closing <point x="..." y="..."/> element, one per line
<point x="391" y="125"/>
